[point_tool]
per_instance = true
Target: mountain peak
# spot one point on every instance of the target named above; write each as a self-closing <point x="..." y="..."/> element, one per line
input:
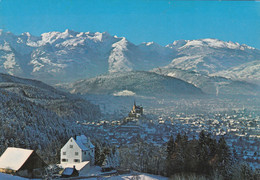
<point x="70" y="32"/>
<point x="208" y="42"/>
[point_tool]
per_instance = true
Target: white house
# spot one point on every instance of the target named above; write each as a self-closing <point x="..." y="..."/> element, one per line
<point x="79" y="153"/>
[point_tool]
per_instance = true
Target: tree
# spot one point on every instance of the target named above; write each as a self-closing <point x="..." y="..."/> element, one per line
<point x="97" y="155"/>
<point x="224" y="158"/>
<point x="169" y="161"/>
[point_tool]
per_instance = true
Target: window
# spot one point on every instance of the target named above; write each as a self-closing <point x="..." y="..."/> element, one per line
<point x="76" y="153"/>
<point x="71" y="146"/>
<point x="64" y="153"/>
<point x="76" y="160"/>
<point x="64" y="160"/>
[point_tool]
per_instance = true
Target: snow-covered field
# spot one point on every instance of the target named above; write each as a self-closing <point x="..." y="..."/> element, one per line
<point x="142" y="176"/>
<point x="138" y="176"/>
<point x="11" y="177"/>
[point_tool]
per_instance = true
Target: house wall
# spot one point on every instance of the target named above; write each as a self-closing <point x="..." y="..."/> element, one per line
<point x="92" y="158"/>
<point x="33" y="162"/>
<point x="85" y="156"/>
<point x="71" y="148"/>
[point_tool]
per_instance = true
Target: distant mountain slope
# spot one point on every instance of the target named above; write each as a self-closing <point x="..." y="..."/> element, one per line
<point x="211" y="55"/>
<point x="67" y="56"/>
<point x="211" y="84"/>
<point x="249" y="71"/>
<point x="135" y="82"/>
<point x="35" y="115"/>
<point x="61" y="57"/>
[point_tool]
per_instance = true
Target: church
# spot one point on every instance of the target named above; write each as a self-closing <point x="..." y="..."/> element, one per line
<point x="137" y="111"/>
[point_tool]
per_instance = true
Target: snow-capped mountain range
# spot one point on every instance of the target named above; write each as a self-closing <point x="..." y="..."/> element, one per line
<point x="57" y="57"/>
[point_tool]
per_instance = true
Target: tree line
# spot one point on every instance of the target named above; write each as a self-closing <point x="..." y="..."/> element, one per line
<point x="204" y="156"/>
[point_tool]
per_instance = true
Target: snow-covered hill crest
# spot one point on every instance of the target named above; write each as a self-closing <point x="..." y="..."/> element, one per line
<point x="133" y="83"/>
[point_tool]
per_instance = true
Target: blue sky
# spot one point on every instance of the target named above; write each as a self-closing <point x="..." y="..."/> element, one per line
<point x="139" y="21"/>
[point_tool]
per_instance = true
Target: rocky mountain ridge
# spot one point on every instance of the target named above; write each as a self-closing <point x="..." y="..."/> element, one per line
<point x="62" y="57"/>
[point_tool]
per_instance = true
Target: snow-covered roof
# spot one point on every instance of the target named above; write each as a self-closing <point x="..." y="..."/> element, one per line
<point x="81" y="145"/>
<point x="84" y="143"/>
<point x="14" y="158"/>
<point x="68" y="171"/>
<point x="78" y="166"/>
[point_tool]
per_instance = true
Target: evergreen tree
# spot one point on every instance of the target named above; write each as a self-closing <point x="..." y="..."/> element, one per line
<point x="169" y="161"/>
<point x="97" y="155"/>
<point x="224" y="158"/>
<point x="202" y="152"/>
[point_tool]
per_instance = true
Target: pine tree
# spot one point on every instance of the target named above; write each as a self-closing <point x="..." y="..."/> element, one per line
<point x="169" y="161"/>
<point x="97" y="155"/>
<point x="202" y="152"/>
<point x="224" y="158"/>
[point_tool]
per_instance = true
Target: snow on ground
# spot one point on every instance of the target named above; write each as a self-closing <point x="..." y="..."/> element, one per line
<point x="96" y="171"/>
<point x="93" y="171"/>
<point x="137" y="176"/>
<point x="10" y="177"/>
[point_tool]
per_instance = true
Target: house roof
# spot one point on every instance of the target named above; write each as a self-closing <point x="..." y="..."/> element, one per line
<point x="82" y="140"/>
<point x="68" y="171"/>
<point x="14" y="158"/>
<point x="78" y="166"/>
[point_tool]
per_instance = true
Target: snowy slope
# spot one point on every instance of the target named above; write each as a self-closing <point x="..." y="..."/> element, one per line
<point x="249" y="71"/>
<point x="134" y="83"/>
<point x="36" y="116"/>
<point x="214" y="85"/>
<point x="211" y="55"/>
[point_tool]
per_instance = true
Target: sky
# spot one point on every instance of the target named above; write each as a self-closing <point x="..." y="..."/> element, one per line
<point x="161" y="21"/>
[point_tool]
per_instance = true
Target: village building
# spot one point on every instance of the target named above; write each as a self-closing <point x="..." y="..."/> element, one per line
<point x="78" y="153"/>
<point x="22" y="162"/>
<point x="136" y="112"/>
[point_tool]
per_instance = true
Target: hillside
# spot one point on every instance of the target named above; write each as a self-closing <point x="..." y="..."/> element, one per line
<point x="249" y="72"/>
<point x="211" y="55"/>
<point x="214" y="85"/>
<point x="134" y="83"/>
<point x="37" y="116"/>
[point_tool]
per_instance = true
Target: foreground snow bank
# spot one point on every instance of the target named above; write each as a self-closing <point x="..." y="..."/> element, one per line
<point x="137" y="176"/>
<point x="11" y="177"/>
